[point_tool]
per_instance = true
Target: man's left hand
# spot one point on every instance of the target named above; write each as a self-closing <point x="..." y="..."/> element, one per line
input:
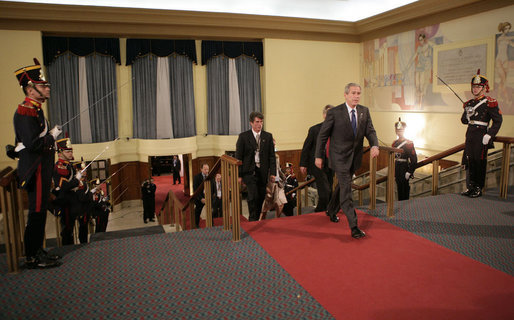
<point x="374" y="151"/>
<point x="486" y="139"/>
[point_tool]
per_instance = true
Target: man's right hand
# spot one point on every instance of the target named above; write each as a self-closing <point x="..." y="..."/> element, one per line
<point x="303" y="170"/>
<point x="78" y="175"/>
<point x="318" y="162"/>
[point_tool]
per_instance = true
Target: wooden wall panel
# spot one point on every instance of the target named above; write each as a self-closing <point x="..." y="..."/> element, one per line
<point x="127" y="182"/>
<point x="197" y="162"/>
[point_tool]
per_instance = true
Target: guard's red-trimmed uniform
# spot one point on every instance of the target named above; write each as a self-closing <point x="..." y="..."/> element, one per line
<point x="35" y="151"/>
<point x="478" y="112"/>
<point x="66" y="185"/>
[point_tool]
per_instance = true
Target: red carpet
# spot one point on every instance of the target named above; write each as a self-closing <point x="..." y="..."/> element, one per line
<point x="390" y="274"/>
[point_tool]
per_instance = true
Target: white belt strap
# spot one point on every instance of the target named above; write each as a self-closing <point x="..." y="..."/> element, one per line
<point x="479" y="123"/>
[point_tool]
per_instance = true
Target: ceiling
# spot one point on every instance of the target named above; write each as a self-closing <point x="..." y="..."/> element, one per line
<point x="337" y="10"/>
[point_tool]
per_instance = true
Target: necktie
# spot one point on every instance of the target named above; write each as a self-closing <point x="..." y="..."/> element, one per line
<point x="354" y="123"/>
<point x="258" y="139"/>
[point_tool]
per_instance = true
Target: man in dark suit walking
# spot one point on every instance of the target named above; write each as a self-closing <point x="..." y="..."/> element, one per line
<point x="200" y="199"/>
<point x="325" y="175"/>
<point x="255" y="149"/>
<point x="346" y="125"/>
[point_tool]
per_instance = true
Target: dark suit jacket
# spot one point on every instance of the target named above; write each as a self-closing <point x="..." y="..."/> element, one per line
<point x="345" y="149"/>
<point x="176" y="167"/>
<point x="309" y="148"/>
<point x="245" y="151"/>
<point x="197" y="181"/>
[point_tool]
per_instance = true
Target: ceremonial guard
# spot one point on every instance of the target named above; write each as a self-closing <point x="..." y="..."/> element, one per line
<point x="291" y="183"/>
<point x="101" y="207"/>
<point x="478" y="112"/>
<point x="404" y="163"/>
<point x="84" y="204"/>
<point x="66" y="183"/>
<point x="35" y="151"/>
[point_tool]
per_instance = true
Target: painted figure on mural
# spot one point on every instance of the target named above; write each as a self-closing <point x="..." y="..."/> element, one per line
<point x="503" y="41"/>
<point x="422" y="61"/>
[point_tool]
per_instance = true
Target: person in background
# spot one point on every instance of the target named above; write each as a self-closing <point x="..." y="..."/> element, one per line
<point x="291" y="183"/>
<point x="478" y="112"/>
<point x="275" y="197"/>
<point x="176" y="166"/>
<point x="325" y="175"/>
<point x="148" y="193"/>
<point x="404" y="163"/>
<point x="200" y="199"/>
<point x="217" y="203"/>
<point x="66" y="183"/>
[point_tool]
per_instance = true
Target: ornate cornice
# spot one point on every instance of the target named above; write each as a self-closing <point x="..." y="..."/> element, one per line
<point x="147" y="23"/>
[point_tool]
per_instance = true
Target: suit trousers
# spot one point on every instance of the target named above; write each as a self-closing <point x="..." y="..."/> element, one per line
<point x="345" y="195"/>
<point x="256" y="188"/>
<point x="324" y="180"/>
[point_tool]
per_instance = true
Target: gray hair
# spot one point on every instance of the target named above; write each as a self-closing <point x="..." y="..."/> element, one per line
<point x="351" y="84"/>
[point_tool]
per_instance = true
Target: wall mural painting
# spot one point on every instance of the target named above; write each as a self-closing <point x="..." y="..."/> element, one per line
<point x="504" y="68"/>
<point x="399" y="70"/>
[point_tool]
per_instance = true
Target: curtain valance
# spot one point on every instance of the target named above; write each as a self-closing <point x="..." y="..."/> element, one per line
<point x="162" y="48"/>
<point x="232" y="49"/>
<point x="55" y="46"/>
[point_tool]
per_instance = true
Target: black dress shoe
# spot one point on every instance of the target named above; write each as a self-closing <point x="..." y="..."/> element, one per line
<point x="50" y="256"/>
<point x="152" y="220"/>
<point x="357" y="233"/>
<point x="333" y="217"/>
<point x="476" y="193"/>
<point x="41" y="263"/>
<point x="466" y="193"/>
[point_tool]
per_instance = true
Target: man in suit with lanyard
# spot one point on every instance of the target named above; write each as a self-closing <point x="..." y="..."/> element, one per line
<point x="255" y="149"/>
<point x="346" y="125"/>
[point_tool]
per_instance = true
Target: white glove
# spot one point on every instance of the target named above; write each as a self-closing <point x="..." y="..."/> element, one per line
<point x="78" y="175"/>
<point x="93" y="190"/>
<point x="485" y="139"/>
<point x="56" y="131"/>
<point x="407" y="175"/>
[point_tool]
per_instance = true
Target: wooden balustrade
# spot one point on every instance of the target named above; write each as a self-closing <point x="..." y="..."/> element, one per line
<point x="232" y="194"/>
<point x="14" y="224"/>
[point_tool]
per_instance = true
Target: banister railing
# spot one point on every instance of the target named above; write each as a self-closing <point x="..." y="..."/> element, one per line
<point x="231" y="195"/>
<point x="176" y="212"/>
<point x="301" y="187"/>
<point x="14" y="224"/>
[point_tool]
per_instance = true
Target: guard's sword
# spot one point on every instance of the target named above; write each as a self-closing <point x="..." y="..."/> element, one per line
<point x="450" y="89"/>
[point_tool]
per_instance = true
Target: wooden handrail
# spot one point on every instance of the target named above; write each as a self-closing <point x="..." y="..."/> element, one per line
<point x="440" y="155"/>
<point x="365" y="186"/>
<point x="7" y="175"/>
<point x="301" y="186"/>
<point x="504" y="139"/>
